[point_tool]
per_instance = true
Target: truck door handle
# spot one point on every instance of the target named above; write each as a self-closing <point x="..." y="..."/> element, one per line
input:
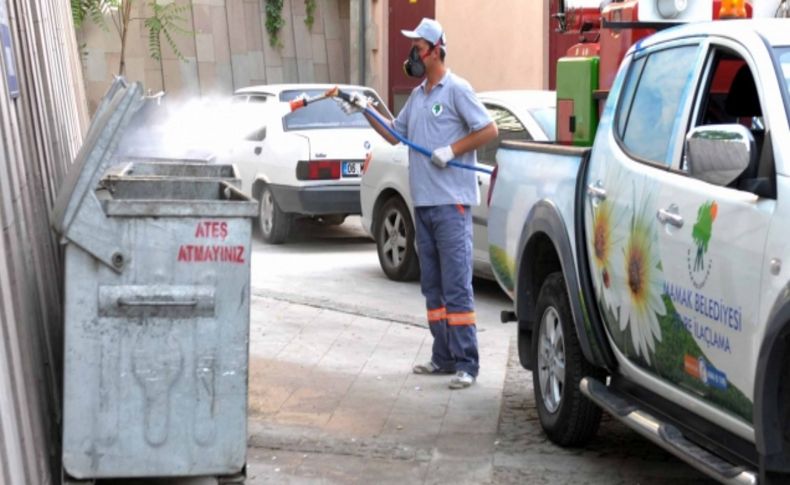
<point x="596" y="191"/>
<point x="670" y="216"/>
<point x="258" y="150"/>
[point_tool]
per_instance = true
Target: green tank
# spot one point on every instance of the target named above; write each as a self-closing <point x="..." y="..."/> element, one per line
<point x="577" y="108"/>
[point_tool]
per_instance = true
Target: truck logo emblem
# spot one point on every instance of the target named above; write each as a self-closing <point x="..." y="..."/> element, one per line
<point x="698" y="267"/>
<point x="367" y="145"/>
<point x="437" y="109"/>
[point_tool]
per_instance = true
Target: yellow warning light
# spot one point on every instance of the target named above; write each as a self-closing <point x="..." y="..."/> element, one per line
<point x="732" y="9"/>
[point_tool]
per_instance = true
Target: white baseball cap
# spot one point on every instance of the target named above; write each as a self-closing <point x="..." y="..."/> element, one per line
<point x="429" y="29"/>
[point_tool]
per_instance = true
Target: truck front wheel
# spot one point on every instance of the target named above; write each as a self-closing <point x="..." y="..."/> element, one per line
<point x="566" y="415"/>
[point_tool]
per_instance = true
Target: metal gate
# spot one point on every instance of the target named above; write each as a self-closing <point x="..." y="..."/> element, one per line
<point x="42" y="117"/>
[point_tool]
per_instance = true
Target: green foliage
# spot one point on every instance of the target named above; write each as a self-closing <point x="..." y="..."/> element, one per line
<point x="274" y="21"/>
<point x="165" y="21"/>
<point x="95" y="10"/>
<point x="309" y="6"/>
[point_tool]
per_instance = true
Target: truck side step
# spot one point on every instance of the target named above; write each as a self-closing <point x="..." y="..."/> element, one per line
<point x="665" y="434"/>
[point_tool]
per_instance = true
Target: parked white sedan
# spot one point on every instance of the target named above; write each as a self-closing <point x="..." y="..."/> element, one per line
<point x="305" y="163"/>
<point x="387" y="211"/>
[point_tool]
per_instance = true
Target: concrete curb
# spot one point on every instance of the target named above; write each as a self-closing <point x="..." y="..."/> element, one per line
<point x="330" y="304"/>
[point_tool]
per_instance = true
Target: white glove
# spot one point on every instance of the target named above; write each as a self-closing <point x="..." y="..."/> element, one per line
<point x="356" y="104"/>
<point x="441" y="156"/>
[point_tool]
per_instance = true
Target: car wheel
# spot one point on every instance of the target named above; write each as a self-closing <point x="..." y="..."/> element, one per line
<point x="566" y="415"/>
<point x="395" y="241"/>
<point x="274" y="224"/>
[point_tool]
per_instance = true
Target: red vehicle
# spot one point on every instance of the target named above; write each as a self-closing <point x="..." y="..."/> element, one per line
<point x="588" y="43"/>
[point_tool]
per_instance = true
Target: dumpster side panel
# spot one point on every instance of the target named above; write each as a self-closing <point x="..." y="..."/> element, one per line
<point x="155" y="378"/>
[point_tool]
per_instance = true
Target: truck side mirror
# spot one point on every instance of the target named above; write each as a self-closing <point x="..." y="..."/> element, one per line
<point x="719" y="154"/>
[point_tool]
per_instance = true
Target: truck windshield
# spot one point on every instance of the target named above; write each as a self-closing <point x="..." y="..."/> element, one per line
<point x="326" y="113"/>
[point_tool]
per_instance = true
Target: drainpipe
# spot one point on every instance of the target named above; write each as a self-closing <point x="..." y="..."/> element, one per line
<point x="362" y="36"/>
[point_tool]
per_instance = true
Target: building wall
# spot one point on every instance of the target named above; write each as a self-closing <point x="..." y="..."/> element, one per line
<point x="40" y="133"/>
<point x="374" y="44"/>
<point x="499" y="44"/>
<point x="377" y="42"/>
<point x="228" y="49"/>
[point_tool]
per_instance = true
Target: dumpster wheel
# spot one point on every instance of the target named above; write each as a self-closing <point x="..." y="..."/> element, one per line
<point x="67" y="479"/>
<point x="235" y="479"/>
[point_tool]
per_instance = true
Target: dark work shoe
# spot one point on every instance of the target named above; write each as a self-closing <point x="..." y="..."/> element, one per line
<point x="429" y="368"/>
<point x="461" y="380"/>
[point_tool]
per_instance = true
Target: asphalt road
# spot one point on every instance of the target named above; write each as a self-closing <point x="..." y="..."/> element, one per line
<point x="337" y="267"/>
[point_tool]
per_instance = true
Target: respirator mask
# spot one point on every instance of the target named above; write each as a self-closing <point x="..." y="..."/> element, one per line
<point x="413" y="65"/>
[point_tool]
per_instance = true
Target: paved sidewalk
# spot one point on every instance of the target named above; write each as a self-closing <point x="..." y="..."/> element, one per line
<point x="333" y="400"/>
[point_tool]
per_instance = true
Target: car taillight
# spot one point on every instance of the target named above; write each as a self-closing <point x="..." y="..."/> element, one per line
<point x="318" y="170"/>
<point x="491" y="183"/>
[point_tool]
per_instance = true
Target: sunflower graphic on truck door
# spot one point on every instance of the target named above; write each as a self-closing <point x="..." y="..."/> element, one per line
<point x="654" y="318"/>
<point x="639" y="277"/>
<point x="603" y="221"/>
<point x="625" y="266"/>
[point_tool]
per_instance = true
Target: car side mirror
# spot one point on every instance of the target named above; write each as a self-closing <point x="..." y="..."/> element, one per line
<point x="719" y="154"/>
<point x="257" y="135"/>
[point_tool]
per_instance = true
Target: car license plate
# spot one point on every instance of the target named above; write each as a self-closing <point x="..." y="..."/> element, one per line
<point x="352" y="169"/>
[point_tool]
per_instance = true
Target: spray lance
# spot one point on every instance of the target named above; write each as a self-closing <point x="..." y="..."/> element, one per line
<point x="335" y="92"/>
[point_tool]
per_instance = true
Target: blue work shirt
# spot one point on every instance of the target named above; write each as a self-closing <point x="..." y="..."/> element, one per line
<point x="448" y="113"/>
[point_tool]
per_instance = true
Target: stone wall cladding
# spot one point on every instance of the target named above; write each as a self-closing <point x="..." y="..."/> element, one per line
<point x="227" y="50"/>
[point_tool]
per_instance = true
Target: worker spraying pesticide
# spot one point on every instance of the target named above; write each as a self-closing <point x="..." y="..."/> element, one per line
<point x="443" y="123"/>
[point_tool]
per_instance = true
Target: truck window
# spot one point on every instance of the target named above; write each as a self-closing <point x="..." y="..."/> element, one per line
<point x="627" y="96"/>
<point x="783" y="53"/>
<point x="728" y="96"/>
<point x="652" y="126"/>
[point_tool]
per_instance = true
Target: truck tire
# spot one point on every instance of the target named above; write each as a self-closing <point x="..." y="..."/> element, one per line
<point x="394" y="236"/>
<point x="566" y="415"/>
<point x="274" y="224"/>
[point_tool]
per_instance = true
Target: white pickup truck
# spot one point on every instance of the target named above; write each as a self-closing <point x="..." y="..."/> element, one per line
<point x="650" y="273"/>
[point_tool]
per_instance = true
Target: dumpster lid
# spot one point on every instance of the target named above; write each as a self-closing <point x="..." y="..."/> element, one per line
<point x="112" y="117"/>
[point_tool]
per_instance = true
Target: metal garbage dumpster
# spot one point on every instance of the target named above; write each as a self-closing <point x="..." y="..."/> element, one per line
<point x="157" y="159"/>
<point x="182" y="169"/>
<point x="157" y="295"/>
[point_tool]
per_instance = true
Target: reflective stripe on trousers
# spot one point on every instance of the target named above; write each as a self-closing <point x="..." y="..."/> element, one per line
<point x="444" y="243"/>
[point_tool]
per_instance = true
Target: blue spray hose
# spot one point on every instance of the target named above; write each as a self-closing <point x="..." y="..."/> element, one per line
<point x="419" y="148"/>
<point x="409" y="143"/>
